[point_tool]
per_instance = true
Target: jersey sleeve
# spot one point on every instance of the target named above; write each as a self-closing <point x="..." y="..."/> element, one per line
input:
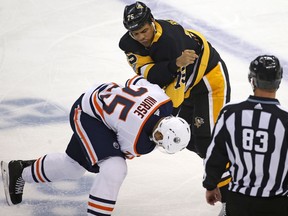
<point x="216" y="156"/>
<point x="152" y="71"/>
<point x="160" y="71"/>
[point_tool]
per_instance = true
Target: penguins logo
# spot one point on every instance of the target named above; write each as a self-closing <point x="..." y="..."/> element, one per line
<point x="198" y="122"/>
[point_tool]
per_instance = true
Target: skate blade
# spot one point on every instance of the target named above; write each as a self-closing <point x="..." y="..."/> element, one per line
<point x="5" y="178"/>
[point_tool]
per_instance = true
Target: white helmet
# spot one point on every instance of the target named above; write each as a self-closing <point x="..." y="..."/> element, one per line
<point x="176" y="134"/>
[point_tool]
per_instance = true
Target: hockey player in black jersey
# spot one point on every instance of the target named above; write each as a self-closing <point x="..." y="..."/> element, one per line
<point x="182" y="62"/>
<point x="253" y="136"/>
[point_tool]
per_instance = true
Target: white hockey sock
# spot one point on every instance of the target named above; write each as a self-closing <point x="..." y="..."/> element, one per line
<point x="104" y="191"/>
<point x="53" y="167"/>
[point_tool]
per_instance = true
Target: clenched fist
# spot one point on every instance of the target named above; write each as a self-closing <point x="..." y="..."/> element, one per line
<point x="187" y="57"/>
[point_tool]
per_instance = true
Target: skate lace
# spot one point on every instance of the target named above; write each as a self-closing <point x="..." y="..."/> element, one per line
<point x="19" y="186"/>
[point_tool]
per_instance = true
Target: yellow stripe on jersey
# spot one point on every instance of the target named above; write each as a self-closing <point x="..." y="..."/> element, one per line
<point x="218" y="85"/>
<point x="204" y="60"/>
<point x="224" y="182"/>
<point x="145" y="70"/>
<point x="158" y="32"/>
<point x="144" y="63"/>
<point x="176" y="94"/>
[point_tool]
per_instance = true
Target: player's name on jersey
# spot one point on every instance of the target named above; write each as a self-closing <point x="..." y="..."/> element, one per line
<point x="144" y="106"/>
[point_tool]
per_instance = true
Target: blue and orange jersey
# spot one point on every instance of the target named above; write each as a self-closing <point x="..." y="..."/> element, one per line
<point x="131" y="111"/>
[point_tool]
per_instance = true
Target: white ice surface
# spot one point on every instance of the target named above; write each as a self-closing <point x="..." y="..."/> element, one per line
<point x="51" y="51"/>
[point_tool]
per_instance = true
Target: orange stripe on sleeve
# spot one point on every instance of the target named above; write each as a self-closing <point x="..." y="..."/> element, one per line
<point x="100" y="207"/>
<point x="97" y="106"/>
<point x="132" y="79"/>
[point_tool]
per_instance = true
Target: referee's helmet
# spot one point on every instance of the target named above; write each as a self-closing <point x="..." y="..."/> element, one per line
<point x="265" y="72"/>
<point x="136" y="16"/>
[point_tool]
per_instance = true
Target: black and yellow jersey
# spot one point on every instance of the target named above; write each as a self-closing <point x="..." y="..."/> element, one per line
<point x="158" y="62"/>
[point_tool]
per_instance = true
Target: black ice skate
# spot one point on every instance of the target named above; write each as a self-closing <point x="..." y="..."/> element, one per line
<point x="13" y="181"/>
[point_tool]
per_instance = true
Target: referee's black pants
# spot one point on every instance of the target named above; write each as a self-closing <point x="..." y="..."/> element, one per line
<point x="242" y="205"/>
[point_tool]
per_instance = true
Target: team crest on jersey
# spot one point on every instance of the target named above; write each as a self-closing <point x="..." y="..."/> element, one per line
<point x="116" y="145"/>
<point x="198" y="122"/>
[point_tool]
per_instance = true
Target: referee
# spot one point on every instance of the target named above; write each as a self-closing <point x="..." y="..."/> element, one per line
<point x="253" y="136"/>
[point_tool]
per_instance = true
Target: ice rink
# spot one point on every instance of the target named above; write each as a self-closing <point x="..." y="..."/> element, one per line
<point x="53" y="50"/>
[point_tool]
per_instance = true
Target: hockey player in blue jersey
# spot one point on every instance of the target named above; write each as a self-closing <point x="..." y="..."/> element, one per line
<point x="110" y="123"/>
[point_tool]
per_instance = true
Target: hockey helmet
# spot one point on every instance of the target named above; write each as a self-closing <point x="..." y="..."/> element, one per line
<point x="175" y="134"/>
<point x="265" y="72"/>
<point x="136" y="16"/>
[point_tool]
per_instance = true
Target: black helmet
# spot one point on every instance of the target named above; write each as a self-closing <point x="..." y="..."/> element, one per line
<point x="265" y="72"/>
<point x="136" y="16"/>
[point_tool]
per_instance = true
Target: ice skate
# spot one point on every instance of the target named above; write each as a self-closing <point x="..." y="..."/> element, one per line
<point x="13" y="181"/>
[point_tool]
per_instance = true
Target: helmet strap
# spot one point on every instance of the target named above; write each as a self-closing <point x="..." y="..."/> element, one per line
<point x="131" y="35"/>
<point x="154" y="27"/>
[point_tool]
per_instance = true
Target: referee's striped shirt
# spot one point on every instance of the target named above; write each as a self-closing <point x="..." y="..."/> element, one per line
<point x="253" y="136"/>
